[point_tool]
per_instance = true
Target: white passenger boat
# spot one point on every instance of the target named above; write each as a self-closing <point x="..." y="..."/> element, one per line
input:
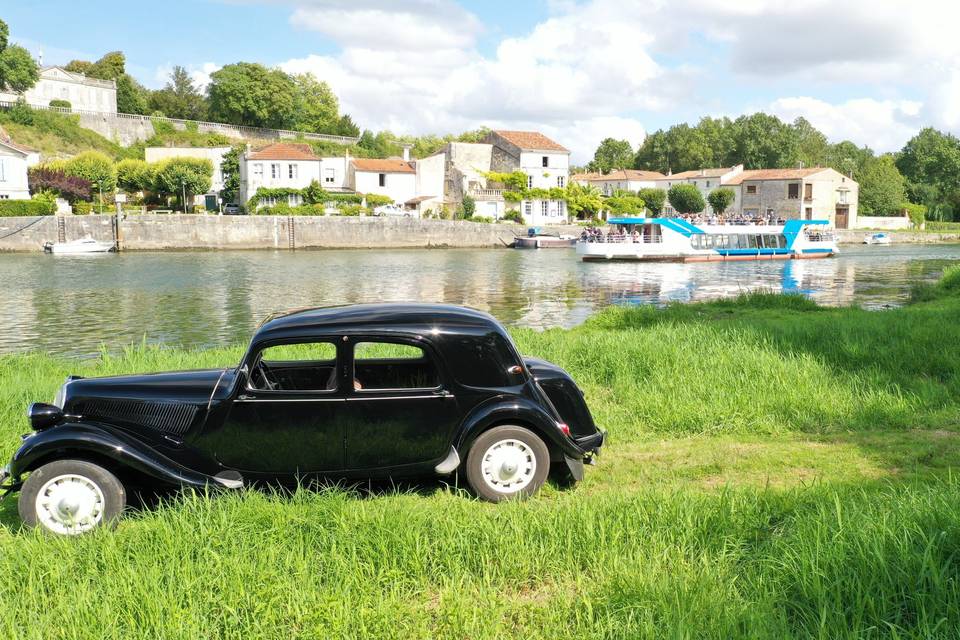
<point x="677" y="240"/>
<point x="877" y="238"/>
<point x="84" y="245"/>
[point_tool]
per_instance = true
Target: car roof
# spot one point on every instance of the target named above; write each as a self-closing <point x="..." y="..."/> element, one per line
<point x="402" y="316"/>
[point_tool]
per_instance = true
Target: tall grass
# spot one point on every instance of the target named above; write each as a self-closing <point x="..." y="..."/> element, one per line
<point x="774" y="470"/>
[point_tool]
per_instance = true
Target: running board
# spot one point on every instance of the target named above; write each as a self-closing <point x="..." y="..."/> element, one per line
<point x="449" y="464"/>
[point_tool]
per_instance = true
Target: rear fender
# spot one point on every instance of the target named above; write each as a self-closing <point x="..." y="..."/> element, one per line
<point x="73" y="439"/>
<point x="521" y="412"/>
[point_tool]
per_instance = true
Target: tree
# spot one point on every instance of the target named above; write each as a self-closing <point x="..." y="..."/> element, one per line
<point x="109" y="67"/>
<point x="183" y="177"/>
<point x="812" y="145"/>
<point x="654" y="199"/>
<point x="249" y="94"/>
<point x="624" y="203"/>
<point x="583" y="201"/>
<point x="612" y="154"/>
<point x="686" y="198"/>
<point x="882" y="187"/>
<point x="468" y="207"/>
<point x="179" y="98"/>
<point x="134" y="175"/>
<point x="131" y="95"/>
<point x="930" y="161"/>
<point x="95" y="167"/>
<point x="230" y="169"/>
<point x="346" y="127"/>
<point x="18" y="69"/>
<point x="79" y="66"/>
<point x="317" y="107"/>
<point x="71" y="188"/>
<point x="764" y="141"/>
<point x="721" y="199"/>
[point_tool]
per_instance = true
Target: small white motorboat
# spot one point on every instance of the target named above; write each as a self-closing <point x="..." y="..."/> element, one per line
<point x="877" y="238"/>
<point x="84" y="245"/>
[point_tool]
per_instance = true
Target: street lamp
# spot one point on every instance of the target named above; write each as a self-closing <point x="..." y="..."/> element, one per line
<point x="183" y="185"/>
<point x="99" y="184"/>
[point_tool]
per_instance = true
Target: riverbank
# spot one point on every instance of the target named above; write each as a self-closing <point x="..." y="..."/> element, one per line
<point x="774" y="469"/>
<point x="177" y="231"/>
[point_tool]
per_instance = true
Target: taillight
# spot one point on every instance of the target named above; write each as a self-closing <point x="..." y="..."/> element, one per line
<point x="564" y="428"/>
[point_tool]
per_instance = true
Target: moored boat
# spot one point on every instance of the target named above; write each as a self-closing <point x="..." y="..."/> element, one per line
<point x="84" y="245"/>
<point x="677" y="240"/>
<point x="536" y="239"/>
<point x="877" y="238"/>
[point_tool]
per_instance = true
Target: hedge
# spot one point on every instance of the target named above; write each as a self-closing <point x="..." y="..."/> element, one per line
<point x="9" y="208"/>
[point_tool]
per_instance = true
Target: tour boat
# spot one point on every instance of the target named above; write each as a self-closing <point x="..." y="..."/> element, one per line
<point x="877" y="238"/>
<point x="536" y="239"/>
<point x="84" y="245"/>
<point x="677" y="240"/>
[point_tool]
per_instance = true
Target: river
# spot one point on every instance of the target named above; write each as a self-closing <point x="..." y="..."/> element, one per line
<point x="71" y="305"/>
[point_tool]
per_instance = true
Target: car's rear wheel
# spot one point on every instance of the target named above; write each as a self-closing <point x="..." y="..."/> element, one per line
<point x="507" y="462"/>
<point x="70" y="497"/>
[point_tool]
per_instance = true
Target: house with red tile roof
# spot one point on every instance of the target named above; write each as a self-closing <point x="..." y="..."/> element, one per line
<point x="15" y="159"/>
<point x="619" y="180"/>
<point x="391" y="177"/>
<point x="289" y="165"/>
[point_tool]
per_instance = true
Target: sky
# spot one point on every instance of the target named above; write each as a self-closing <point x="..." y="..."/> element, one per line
<point x="870" y="71"/>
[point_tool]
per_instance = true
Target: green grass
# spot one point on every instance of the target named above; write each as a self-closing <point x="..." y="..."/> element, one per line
<point x="774" y="469"/>
<point x="57" y="135"/>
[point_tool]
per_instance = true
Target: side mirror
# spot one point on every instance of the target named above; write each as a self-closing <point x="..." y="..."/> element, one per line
<point x="43" y="416"/>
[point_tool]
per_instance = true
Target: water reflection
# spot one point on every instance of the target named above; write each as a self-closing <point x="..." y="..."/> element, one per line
<point x="74" y="304"/>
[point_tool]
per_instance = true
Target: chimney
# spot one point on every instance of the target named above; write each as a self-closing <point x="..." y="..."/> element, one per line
<point x="703" y="172"/>
<point x="406" y="153"/>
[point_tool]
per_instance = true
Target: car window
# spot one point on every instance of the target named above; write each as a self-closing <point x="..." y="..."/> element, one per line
<point x="392" y="365"/>
<point x="307" y="366"/>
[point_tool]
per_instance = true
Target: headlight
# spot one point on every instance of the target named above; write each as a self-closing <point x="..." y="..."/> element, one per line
<point x="43" y="416"/>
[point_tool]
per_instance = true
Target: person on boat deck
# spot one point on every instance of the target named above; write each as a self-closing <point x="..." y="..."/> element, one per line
<point x="636" y="235"/>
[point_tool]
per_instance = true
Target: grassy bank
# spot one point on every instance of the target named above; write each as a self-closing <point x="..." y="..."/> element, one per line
<point x="775" y="469"/>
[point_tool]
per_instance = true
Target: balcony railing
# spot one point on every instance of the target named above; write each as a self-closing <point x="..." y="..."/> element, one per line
<point x="486" y="193"/>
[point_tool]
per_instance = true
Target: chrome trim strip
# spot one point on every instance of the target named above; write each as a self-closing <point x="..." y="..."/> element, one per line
<point x="289" y="399"/>
<point x="432" y="395"/>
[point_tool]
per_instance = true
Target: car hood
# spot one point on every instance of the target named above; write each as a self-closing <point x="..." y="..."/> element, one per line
<point x="178" y="386"/>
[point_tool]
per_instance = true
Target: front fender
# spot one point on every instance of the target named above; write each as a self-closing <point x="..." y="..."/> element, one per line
<point x="511" y="410"/>
<point x="78" y="438"/>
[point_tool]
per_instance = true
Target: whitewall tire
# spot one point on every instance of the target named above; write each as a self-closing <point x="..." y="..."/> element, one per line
<point x="70" y="497"/>
<point x="507" y="462"/>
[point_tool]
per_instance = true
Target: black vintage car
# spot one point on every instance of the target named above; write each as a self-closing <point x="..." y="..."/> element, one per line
<point x="353" y="392"/>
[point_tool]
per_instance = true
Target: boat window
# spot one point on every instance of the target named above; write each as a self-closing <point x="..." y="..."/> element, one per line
<point x="392" y="365"/>
<point x="306" y="366"/>
<point x="753" y="241"/>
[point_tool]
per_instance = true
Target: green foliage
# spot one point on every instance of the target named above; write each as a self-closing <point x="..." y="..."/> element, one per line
<point x="95" y="167"/>
<point x="21" y="113"/>
<point x="135" y="175"/>
<point x="686" y="198"/>
<point x="612" y="154"/>
<point x="131" y="96"/>
<point x="930" y="161"/>
<point x="583" y="201"/>
<point x="111" y="66"/>
<point x="654" y="199"/>
<point x="247" y="93"/>
<point x="37" y="207"/>
<point x="18" y="70"/>
<point x="513" y="181"/>
<point x="377" y="200"/>
<point x="624" y="204"/>
<point x="317" y="107"/>
<point x="916" y="212"/>
<point x="55" y="134"/>
<point x="351" y="210"/>
<point x="61" y="104"/>
<point x="513" y="215"/>
<point x="179" y="98"/>
<point x="721" y="199"/>
<point x="82" y="208"/>
<point x="468" y="207"/>
<point x="173" y="176"/>
<point x="483" y="219"/>
<point x="881" y="187"/>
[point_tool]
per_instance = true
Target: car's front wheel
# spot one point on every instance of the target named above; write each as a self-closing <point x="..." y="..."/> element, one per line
<point x="70" y="497"/>
<point x="507" y="462"/>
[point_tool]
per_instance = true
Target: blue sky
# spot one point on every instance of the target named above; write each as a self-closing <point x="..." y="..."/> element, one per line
<point x="579" y="71"/>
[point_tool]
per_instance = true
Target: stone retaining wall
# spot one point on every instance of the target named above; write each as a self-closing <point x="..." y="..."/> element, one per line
<point x="158" y="231"/>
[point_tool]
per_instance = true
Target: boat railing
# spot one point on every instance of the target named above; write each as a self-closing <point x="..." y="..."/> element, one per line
<point x="821" y="236"/>
<point x="622" y="238"/>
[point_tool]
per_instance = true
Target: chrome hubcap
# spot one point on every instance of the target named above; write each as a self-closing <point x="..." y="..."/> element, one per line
<point x="70" y="504"/>
<point x="508" y="466"/>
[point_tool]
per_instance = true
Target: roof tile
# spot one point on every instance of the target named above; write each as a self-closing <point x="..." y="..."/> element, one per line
<point x="284" y="151"/>
<point x="530" y="141"/>
<point x="380" y="165"/>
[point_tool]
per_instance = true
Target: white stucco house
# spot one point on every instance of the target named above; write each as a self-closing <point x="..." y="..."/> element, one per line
<point x="15" y="159"/>
<point x="394" y="178"/>
<point x="546" y="163"/>
<point x="83" y="93"/>
<point x="619" y="180"/>
<point x="276" y="166"/>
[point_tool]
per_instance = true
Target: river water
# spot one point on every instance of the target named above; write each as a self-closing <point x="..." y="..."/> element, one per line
<point x="71" y="305"/>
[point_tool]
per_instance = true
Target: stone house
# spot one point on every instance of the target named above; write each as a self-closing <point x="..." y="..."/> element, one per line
<point x="705" y="180"/>
<point x="619" y="180"/>
<point x="814" y="193"/>
<point x="546" y="163"/>
<point x="15" y="159"/>
<point x="83" y="93"/>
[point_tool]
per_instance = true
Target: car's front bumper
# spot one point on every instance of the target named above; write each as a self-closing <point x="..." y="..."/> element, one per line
<point x="6" y="482"/>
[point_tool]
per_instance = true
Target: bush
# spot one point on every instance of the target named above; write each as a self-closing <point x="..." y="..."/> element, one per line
<point x="486" y="219"/>
<point x="63" y="104"/>
<point x="50" y="178"/>
<point x="82" y="208"/>
<point x="39" y="207"/>
<point x="377" y="200"/>
<point x="917" y="213"/>
<point x="513" y="216"/>
<point x="350" y="210"/>
<point x="468" y="208"/>
<point x="96" y="168"/>
<point x="21" y="113"/>
<point x="686" y="198"/>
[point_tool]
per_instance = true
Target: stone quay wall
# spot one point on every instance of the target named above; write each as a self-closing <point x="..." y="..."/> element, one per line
<point x="177" y="231"/>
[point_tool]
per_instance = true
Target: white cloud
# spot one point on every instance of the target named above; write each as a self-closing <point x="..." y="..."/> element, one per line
<point x="883" y="125"/>
<point x="591" y="69"/>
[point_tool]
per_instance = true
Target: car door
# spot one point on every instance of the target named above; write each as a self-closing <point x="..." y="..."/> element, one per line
<point x="287" y="418"/>
<point x="398" y="410"/>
